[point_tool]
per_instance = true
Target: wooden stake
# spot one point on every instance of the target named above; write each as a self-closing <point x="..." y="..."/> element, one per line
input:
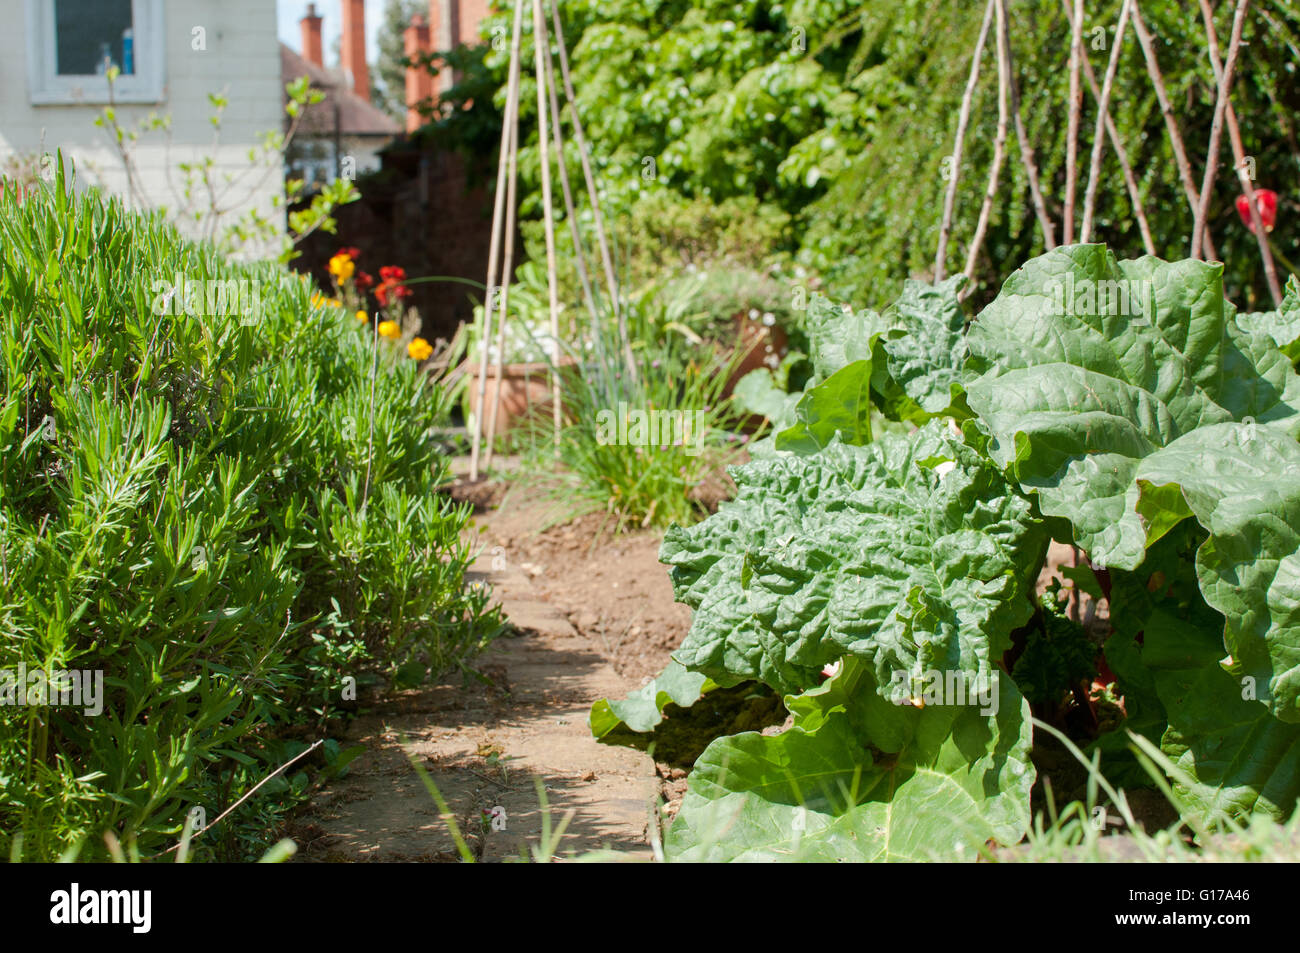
<point x="1239" y="160"/>
<point x="1171" y="120"/>
<point x="1216" y="128"/>
<point x="963" y="120"/>
<point x="494" y="254"/>
<point x="511" y="121"/>
<point x="1072" y="134"/>
<point x="599" y="219"/>
<point x="548" y="213"/>
<point x="999" y="152"/>
<point x="1099" y="131"/>
<point x="1026" y="148"/>
<point x="570" y="211"/>
<point x="1121" y="155"/>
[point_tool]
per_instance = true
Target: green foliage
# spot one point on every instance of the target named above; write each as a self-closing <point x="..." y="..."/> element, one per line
<point x="1149" y="429"/>
<point x="218" y="506"/>
<point x="646" y="449"/>
<point x="1127" y="420"/>
<point x="880" y="552"/>
<point x="860" y="778"/>
<point x="389" y="94"/>
<point x="832" y="123"/>
<point x="1057" y="657"/>
<point x="1282" y="325"/>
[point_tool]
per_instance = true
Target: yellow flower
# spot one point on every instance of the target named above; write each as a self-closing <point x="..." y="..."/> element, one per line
<point x="362" y="316"/>
<point x="317" y="299"/>
<point x="334" y="303"/>
<point x="419" y="349"/>
<point x="342" y="267"/>
<point x="389" y="329"/>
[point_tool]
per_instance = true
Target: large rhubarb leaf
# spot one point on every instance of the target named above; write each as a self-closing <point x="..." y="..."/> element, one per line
<point x="911" y="553"/>
<point x="839" y="406"/>
<point x="926" y="351"/>
<point x="1239" y="758"/>
<point x="680" y="712"/>
<point x="1242" y="482"/>
<point x="758" y="392"/>
<point x="859" y="778"/>
<point x="1087" y="366"/>
<point x="839" y="335"/>
<point x="643" y="709"/>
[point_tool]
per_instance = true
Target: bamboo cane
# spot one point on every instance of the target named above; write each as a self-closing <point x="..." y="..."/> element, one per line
<point x="1121" y="155"/>
<point x="999" y="151"/>
<point x="1171" y="119"/>
<point x="1216" y="127"/>
<point x="963" y="120"/>
<point x="494" y="254"/>
<point x="511" y="121"/>
<point x="1239" y="159"/>
<point x="548" y="213"/>
<point x="1099" y="130"/>
<point x="570" y="211"/>
<point x="598" y="218"/>
<point x="1072" y="133"/>
<point x="1026" y="148"/>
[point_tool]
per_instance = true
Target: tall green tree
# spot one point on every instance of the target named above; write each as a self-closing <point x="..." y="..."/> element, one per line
<point x="389" y="94"/>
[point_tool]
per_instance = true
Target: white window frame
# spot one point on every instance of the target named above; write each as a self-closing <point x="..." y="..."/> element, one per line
<point x="48" y="88"/>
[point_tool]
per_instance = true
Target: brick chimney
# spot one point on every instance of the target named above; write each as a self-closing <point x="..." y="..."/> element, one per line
<point x="353" y="48"/>
<point x="419" y="84"/>
<point x="311" y="45"/>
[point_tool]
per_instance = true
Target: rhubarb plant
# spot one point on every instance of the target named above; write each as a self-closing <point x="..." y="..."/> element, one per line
<point x="885" y="581"/>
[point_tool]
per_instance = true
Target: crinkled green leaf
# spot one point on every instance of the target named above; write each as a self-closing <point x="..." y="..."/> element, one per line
<point x="1074" y="402"/>
<point x="643" y="709"/>
<point x="927" y="350"/>
<point x="911" y="553"/>
<point x="838" y="406"/>
<point x="1283" y="325"/>
<point x="858" y="778"/>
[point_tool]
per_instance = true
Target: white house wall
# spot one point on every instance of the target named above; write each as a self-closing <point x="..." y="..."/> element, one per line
<point x="241" y="59"/>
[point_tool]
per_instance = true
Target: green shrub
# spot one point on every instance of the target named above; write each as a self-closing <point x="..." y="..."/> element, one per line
<point x="194" y="505"/>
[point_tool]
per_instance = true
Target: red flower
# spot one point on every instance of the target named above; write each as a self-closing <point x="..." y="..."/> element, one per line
<point x="351" y="251"/>
<point x="393" y="274"/>
<point x="364" y="280"/>
<point x="387" y="288"/>
<point x="1265" y="202"/>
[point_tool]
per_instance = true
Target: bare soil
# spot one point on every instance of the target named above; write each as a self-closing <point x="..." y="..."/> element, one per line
<point x="593" y="617"/>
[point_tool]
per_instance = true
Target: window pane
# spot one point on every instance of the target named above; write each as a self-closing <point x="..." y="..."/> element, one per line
<point x="91" y="35"/>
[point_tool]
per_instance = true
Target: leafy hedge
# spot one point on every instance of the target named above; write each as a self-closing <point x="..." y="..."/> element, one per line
<point x="814" y="123"/>
<point x="1121" y="406"/>
<point x="194" y="504"/>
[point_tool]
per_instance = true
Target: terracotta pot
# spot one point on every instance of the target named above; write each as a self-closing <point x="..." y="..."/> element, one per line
<point x="758" y="343"/>
<point x="525" y="393"/>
